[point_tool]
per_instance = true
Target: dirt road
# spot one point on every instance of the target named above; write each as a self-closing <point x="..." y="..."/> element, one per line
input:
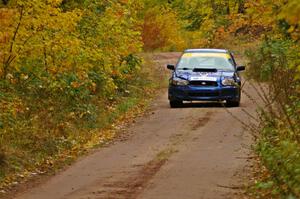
<point x="198" y="151"/>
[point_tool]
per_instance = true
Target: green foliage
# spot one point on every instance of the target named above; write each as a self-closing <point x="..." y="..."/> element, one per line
<point x="282" y="158"/>
<point x="275" y="56"/>
<point x="275" y="62"/>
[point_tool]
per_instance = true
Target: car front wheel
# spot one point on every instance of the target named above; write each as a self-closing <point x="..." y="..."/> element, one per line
<point x="176" y="104"/>
<point x="230" y="103"/>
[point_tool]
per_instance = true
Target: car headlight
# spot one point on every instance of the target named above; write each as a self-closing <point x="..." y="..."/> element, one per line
<point x="228" y="82"/>
<point x="179" y="82"/>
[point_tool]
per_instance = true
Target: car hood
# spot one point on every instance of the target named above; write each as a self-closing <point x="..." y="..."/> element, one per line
<point x="210" y="76"/>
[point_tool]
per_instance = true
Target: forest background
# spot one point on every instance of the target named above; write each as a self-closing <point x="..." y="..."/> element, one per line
<point x="71" y="68"/>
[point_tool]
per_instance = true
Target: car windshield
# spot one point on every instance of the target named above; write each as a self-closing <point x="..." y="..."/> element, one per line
<point x="191" y="61"/>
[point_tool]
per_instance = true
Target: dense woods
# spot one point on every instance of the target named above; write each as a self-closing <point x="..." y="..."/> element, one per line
<point x="67" y="70"/>
<point x="70" y="67"/>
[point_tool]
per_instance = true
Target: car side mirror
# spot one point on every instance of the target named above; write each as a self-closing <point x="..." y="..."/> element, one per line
<point x="240" y="68"/>
<point x="170" y="67"/>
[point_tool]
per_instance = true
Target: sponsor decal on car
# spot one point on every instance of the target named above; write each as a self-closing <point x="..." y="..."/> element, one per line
<point x="225" y="55"/>
<point x="203" y="78"/>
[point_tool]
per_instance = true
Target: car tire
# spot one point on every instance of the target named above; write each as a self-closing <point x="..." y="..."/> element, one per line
<point x="176" y="104"/>
<point x="230" y="103"/>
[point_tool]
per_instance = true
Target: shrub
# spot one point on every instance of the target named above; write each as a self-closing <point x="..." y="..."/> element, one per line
<point x="275" y="63"/>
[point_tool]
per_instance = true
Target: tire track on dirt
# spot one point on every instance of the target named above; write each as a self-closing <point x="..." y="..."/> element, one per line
<point x="132" y="185"/>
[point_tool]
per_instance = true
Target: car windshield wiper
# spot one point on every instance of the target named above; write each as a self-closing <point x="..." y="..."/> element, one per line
<point x="212" y="70"/>
<point x="184" y="68"/>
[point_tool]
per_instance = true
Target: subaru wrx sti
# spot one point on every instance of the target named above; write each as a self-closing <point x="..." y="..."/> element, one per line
<point x="205" y="75"/>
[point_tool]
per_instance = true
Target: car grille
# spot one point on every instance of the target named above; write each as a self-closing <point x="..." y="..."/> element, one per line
<point x="204" y="83"/>
<point x="204" y="94"/>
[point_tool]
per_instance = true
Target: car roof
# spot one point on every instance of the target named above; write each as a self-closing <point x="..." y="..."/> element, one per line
<point x="206" y="50"/>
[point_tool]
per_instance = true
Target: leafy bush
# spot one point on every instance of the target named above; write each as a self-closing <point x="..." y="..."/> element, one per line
<point x="65" y="68"/>
<point x="275" y="63"/>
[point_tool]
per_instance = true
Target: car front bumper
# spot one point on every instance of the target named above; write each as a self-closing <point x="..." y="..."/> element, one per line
<point x="203" y="93"/>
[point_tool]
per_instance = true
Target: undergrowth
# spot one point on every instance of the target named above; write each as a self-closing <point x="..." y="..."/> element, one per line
<point x="274" y="64"/>
<point x="43" y="127"/>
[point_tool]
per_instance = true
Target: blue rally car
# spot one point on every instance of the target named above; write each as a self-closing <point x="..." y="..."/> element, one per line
<point x="205" y="75"/>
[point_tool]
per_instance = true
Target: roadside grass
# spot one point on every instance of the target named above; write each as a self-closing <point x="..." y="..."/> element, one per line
<point x="41" y="134"/>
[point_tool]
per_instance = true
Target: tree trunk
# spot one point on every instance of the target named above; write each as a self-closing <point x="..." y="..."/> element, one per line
<point x="214" y="8"/>
<point x="227" y="6"/>
<point x="241" y="6"/>
<point x="213" y="5"/>
<point x="5" y="2"/>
